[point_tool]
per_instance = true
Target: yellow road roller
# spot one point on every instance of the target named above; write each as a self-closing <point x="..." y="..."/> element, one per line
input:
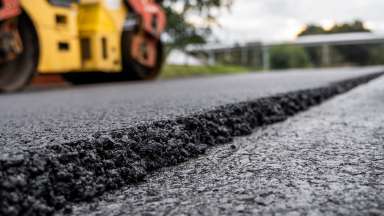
<point x="83" y="40"/>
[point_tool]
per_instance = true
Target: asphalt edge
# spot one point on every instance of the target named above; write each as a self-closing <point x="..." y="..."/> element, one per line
<point x="43" y="181"/>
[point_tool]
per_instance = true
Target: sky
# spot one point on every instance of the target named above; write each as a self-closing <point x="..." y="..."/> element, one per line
<point x="281" y="20"/>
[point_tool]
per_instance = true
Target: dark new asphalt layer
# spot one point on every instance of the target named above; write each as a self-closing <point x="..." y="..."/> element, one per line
<point x="326" y="161"/>
<point x="36" y="119"/>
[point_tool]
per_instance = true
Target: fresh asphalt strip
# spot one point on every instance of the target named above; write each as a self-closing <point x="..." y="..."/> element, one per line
<point x="44" y="181"/>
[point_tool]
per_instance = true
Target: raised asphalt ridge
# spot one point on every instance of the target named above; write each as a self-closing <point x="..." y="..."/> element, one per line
<point x="46" y="180"/>
<point x="35" y="119"/>
<point x="328" y="160"/>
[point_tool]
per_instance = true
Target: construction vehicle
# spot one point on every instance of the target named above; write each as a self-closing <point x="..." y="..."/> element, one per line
<point x="83" y="40"/>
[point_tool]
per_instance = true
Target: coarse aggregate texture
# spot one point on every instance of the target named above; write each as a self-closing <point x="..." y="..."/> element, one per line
<point x="37" y="119"/>
<point x="41" y="181"/>
<point x="328" y="160"/>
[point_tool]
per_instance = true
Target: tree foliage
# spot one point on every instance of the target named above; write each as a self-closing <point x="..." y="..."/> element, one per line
<point x="355" y="54"/>
<point x="356" y="26"/>
<point x="286" y="56"/>
<point x="180" y="30"/>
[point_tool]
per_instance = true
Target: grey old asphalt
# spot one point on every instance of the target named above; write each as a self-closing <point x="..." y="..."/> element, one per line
<point x="35" y="119"/>
<point x="326" y="161"/>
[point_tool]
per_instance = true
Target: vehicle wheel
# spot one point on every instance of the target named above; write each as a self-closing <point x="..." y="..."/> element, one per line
<point x="133" y="69"/>
<point x="17" y="73"/>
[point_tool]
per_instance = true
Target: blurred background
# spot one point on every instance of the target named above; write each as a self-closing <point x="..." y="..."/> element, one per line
<point x="272" y="34"/>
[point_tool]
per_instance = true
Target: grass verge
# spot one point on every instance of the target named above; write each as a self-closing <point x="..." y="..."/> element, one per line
<point x="180" y="71"/>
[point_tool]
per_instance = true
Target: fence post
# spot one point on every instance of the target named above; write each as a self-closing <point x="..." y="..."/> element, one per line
<point x="325" y="55"/>
<point x="266" y="58"/>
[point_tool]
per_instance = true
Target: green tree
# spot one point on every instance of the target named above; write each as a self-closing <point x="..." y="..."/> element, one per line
<point x="312" y="29"/>
<point x="180" y="31"/>
<point x="286" y="56"/>
<point x="358" y="54"/>
<point x="355" y="54"/>
<point x="356" y="26"/>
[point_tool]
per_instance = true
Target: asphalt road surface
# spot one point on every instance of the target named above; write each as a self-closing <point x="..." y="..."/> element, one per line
<point x="62" y="147"/>
<point x="326" y="161"/>
<point x="66" y="115"/>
